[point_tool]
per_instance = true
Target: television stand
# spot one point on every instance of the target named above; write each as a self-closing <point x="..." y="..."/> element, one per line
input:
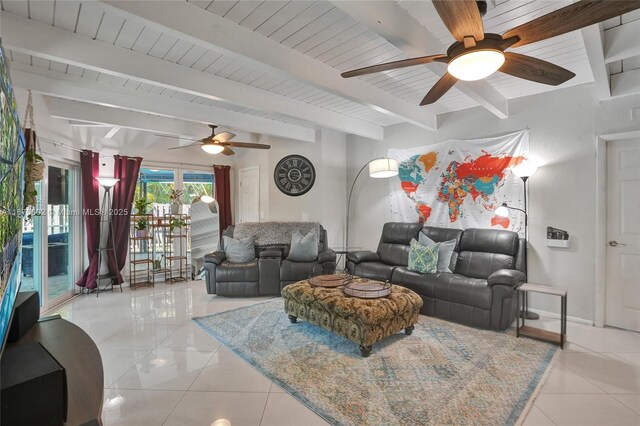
<point x="74" y="350"/>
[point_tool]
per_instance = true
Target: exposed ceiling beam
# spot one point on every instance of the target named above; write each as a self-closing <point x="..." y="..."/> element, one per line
<point x="112" y="132"/>
<point x="74" y="123"/>
<point x="393" y="23"/>
<point x="187" y="21"/>
<point x="592" y="36"/>
<point x="68" y="87"/>
<point x="82" y="111"/>
<point x="625" y="83"/>
<point x="48" y="42"/>
<point x="621" y="42"/>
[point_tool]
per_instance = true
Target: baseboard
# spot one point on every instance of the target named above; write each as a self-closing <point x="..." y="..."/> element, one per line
<point x="557" y="316"/>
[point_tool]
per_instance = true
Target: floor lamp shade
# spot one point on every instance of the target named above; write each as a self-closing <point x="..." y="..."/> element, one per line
<point x="383" y="168"/>
<point x="107" y="182"/>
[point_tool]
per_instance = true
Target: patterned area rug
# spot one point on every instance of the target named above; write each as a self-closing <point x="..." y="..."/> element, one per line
<point x="444" y="373"/>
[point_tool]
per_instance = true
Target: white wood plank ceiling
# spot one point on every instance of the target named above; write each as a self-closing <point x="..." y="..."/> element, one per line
<point x="320" y="30"/>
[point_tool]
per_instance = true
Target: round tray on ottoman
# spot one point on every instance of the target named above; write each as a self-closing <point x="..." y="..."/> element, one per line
<point x="367" y="289"/>
<point x="329" y="280"/>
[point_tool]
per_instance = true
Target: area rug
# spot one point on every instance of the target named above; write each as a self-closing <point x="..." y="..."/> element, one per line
<point x="444" y="373"/>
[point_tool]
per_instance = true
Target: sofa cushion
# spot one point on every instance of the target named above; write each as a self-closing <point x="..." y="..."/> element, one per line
<point x="445" y="251"/>
<point x="463" y="290"/>
<point x="423" y="284"/>
<point x="237" y="272"/>
<point x="304" y="248"/>
<point x="393" y="248"/>
<point x="297" y="271"/>
<point x="423" y="259"/>
<point x="374" y="270"/>
<point x="484" y="251"/>
<point x="477" y="264"/>
<point x="489" y="241"/>
<point x="238" y="250"/>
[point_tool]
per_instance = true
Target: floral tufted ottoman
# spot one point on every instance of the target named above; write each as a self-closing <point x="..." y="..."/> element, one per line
<point x="363" y="321"/>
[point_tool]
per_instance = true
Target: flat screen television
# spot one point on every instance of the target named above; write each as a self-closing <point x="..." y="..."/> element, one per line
<point x="12" y="147"/>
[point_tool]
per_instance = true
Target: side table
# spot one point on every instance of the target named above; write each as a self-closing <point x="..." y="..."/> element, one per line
<point x="538" y="333"/>
<point x="342" y="253"/>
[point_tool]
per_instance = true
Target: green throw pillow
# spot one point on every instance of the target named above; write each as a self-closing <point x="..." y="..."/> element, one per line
<point x="423" y="259"/>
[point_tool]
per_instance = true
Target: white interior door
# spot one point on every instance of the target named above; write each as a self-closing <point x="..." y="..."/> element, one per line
<point x="623" y="234"/>
<point x="249" y="194"/>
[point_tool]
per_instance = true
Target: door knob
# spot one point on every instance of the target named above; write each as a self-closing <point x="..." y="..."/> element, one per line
<point x="614" y="243"/>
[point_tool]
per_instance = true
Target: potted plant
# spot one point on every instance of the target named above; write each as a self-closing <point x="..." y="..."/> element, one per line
<point x="34" y="168"/>
<point x="176" y="223"/>
<point x="142" y="204"/>
<point x="175" y="195"/>
<point x="141" y="226"/>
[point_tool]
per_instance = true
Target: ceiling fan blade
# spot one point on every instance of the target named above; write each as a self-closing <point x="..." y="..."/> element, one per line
<point x="443" y="85"/>
<point x="176" y="137"/>
<point x="247" y="145"/>
<point x="392" y="65"/>
<point x="187" y="146"/>
<point x="534" y="69"/>
<point x="224" y="136"/>
<point x="227" y="151"/>
<point x="461" y="17"/>
<point x="569" y="18"/>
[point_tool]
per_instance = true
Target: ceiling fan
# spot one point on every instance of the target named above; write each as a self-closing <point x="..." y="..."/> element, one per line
<point x="219" y="143"/>
<point x="476" y="54"/>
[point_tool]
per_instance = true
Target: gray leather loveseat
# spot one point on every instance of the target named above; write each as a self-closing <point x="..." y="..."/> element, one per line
<point x="270" y="271"/>
<point x="487" y="265"/>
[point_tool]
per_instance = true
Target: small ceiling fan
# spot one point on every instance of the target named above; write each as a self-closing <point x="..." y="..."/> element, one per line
<point x="476" y="54"/>
<point x="219" y="143"/>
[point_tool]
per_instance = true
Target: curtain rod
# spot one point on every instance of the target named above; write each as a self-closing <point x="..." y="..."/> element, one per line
<point x="73" y="148"/>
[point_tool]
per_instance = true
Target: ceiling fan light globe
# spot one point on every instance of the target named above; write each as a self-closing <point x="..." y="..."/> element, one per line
<point x="212" y="148"/>
<point x="476" y="65"/>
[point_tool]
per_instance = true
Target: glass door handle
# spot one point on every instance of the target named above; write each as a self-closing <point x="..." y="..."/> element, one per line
<point x="614" y="243"/>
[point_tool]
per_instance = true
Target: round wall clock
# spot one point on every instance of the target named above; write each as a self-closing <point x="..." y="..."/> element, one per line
<point x="294" y="175"/>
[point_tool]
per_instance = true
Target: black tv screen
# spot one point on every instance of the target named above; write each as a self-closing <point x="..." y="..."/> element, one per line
<point x="12" y="147"/>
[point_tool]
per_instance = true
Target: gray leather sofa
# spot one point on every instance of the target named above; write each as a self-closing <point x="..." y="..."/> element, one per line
<point x="487" y="265"/>
<point x="268" y="273"/>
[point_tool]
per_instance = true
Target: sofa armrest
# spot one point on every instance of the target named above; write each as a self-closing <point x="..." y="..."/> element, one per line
<point x="327" y="256"/>
<point x="216" y="257"/>
<point x="508" y="277"/>
<point x="265" y="254"/>
<point x="362" y="256"/>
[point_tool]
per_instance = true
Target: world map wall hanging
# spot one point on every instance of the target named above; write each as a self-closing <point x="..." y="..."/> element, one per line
<point x="460" y="183"/>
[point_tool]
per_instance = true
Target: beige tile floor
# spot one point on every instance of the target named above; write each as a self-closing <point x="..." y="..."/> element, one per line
<point x="160" y="369"/>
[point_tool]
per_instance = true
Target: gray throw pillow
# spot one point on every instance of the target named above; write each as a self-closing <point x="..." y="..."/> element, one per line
<point x="304" y="248"/>
<point x="444" y="253"/>
<point x="239" y="251"/>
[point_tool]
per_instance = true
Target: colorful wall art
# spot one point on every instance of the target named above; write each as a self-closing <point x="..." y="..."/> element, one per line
<point x="11" y="196"/>
<point x="459" y="183"/>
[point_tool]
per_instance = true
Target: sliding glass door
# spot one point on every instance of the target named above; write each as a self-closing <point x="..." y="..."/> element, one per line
<point x="52" y="236"/>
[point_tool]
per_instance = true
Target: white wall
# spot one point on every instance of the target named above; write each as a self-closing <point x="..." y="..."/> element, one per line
<point x="324" y="203"/>
<point x="564" y="125"/>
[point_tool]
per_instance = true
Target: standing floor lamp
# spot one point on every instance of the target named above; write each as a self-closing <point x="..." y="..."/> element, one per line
<point x="524" y="171"/>
<point x="107" y="183"/>
<point x="379" y="168"/>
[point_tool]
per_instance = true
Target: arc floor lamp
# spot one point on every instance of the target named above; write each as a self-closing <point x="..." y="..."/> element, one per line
<point x="524" y="171"/>
<point x="379" y="168"/>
